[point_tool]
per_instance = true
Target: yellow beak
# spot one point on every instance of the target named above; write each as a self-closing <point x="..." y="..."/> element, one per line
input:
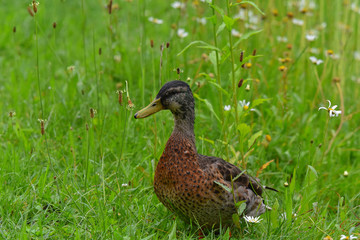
<point x="152" y="108"/>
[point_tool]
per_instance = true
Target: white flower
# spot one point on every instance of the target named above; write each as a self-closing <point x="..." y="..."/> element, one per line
<point x="34" y="3"/>
<point x="331" y="110"/>
<point x="315" y="60"/>
<point x="244" y="104"/>
<point x="347" y="237"/>
<point x="182" y="33"/>
<point x="117" y="58"/>
<point x="322" y="26"/>
<point x="357" y="55"/>
<point x="298" y="22"/>
<point x="227" y="107"/>
<point x="155" y="20"/>
<point x="252" y="219"/>
<point x="235" y="33"/>
<point x="201" y="20"/>
<point x="281" y="39"/>
<point x="346" y="173"/>
<point x="247" y="87"/>
<point x="178" y="5"/>
<point x="125" y="185"/>
<point x="241" y="15"/>
<point x="310" y="37"/>
<point x="314" y="50"/>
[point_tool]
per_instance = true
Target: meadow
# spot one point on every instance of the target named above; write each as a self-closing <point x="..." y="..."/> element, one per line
<point x="75" y="164"/>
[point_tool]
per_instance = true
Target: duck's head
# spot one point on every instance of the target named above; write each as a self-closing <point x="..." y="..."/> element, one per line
<point x="175" y="96"/>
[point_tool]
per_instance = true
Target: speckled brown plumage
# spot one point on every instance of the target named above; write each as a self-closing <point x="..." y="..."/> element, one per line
<point x="185" y="180"/>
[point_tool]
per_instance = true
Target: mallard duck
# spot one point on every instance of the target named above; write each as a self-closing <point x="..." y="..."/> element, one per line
<point x="190" y="184"/>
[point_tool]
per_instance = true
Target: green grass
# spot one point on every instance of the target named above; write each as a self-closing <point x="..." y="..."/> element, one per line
<point x="70" y="182"/>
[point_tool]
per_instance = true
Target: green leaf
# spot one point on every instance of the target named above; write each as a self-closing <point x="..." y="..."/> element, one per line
<point x="246" y="36"/>
<point x="208" y="104"/>
<point x="220" y="28"/>
<point x="274" y="214"/>
<point x="219" y="87"/>
<point x="259" y="101"/>
<point x="253" y="138"/>
<point x="223" y="186"/>
<point x="218" y="9"/>
<point x="229" y="22"/>
<point x="292" y="184"/>
<point x="207" y="140"/>
<point x="172" y="234"/>
<point x="213" y="19"/>
<point x="239" y="175"/>
<point x="251" y="3"/>
<point x="240" y="207"/>
<point x="313" y="170"/>
<point x="244" y="129"/>
<point x="205" y="45"/>
<point x="236" y="220"/>
<point x="251" y="57"/>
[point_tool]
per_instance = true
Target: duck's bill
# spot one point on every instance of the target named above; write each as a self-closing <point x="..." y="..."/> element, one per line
<point x="152" y="108"/>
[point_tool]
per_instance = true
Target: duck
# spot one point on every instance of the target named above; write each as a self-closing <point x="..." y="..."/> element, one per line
<point x="193" y="186"/>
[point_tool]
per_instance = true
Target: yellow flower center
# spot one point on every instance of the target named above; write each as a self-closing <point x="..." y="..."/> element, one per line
<point x="330" y="109"/>
<point x="246" y="107"/>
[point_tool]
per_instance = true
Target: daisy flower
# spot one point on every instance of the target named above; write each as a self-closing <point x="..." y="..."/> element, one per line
<point x="252" y="219"/>
<point x="244" y="104"/>
<point x="227" y="107"/>
<point x="281" y="39"/>
<point x="201" y="20"/>
<point x="177" y="5"/>
<point x="155" y="20"/>
<point x="310" y="37"/>
<point x="347" y="237"/>
<point x="315" y="60"/>
<point x="235" y="33"/>
<point x="298" y="22"/>
<point x="182" y="33"/>
<point x="331" y="110"/>
<point x="327" y="238"/>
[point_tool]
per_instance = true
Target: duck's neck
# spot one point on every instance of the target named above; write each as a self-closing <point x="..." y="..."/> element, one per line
<point x="184" y="124"/>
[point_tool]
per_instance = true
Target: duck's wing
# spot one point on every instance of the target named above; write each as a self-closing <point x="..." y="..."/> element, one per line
<point x="245" y="187"/>
<point x="229" y="171"/>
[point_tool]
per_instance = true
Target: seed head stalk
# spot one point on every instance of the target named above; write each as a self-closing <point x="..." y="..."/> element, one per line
<point x="218" y="76"/>
<point x="232" y="70"/>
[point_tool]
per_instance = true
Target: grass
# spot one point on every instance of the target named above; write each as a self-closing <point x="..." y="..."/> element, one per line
<point x="91" y="176"/>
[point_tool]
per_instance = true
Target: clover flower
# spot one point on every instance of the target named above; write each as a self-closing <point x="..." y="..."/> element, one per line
<point x="331" y="110"/>
<point x="227" y="107"/>
<point x="252" y="219"/>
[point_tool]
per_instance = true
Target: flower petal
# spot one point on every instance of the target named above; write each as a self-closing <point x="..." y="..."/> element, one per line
<point x="323" y="108"/>
<point x="329" y="103"/>
<point x="334" y="107"/>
